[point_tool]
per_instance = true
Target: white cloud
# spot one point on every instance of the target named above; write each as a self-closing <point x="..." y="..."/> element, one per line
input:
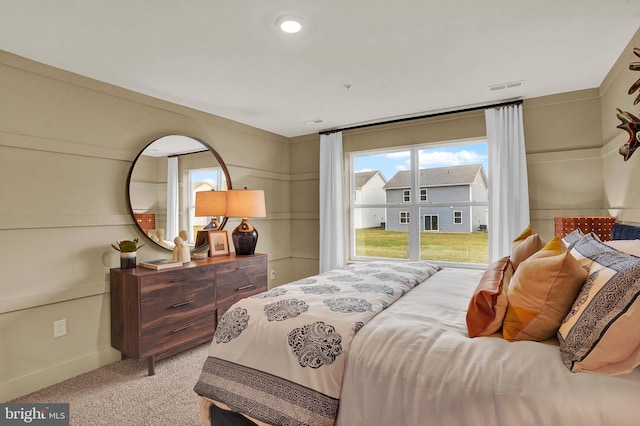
<point x="444" y="158"/>
<point x="398" y="155"/>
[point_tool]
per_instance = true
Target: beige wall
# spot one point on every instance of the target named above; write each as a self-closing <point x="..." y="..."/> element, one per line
<point x="622" y="197"/>
<point x="563" y="157"/>
<point x="66" y="145"/>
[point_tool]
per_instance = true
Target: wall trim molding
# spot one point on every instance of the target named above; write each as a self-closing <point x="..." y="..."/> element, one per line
<point x="43" y="298"/>
<point x="614" y="145"/>
<point x="43" y="221"/>
<point x="57" y="146"/>
<point x="564" y="156"/>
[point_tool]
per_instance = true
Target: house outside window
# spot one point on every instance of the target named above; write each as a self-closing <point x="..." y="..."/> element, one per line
<point x="456" y="191"/>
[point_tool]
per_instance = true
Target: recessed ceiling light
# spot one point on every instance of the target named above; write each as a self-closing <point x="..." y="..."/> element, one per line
<point x="290" y="24"/>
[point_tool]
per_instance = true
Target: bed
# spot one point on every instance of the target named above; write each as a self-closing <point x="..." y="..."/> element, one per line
<point x="405" y="354"/>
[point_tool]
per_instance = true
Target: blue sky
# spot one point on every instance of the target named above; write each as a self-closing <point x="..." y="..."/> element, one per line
<point x="452" y="155"/>
<point x="205" y="176"/>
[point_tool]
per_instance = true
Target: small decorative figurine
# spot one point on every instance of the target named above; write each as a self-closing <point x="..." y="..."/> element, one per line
<point x="181" y="252"/>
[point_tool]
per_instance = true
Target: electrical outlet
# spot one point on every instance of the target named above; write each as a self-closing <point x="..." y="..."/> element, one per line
<point x="273" y="274"/>
<point x="59" y="328"/>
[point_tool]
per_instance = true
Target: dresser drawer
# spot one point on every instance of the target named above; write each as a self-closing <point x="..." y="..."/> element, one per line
<point x="177" y="276"/>
<point x="177" y="333"/>
<point x="240" y="279"/>
<point x="164" y="303"/>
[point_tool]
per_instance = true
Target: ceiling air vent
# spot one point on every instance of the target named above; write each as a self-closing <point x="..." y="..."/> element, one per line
<point x="504" y="86"/>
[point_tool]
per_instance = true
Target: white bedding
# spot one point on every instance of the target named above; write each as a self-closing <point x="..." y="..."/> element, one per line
<point x="414" y="364"/>
<point x="279" y="356"/>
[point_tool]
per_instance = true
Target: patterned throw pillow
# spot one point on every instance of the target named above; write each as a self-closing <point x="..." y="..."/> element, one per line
<point x="586" y="248"/>
<point x="600" y="333"/>
<point x="570" y="239"/>
<point x="541" y="293"/>
<point x="488" y="304"/>
<point x="526" y="244"/>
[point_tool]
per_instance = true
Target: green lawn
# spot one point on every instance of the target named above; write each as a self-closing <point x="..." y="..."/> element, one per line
<point x="472" y="247"/>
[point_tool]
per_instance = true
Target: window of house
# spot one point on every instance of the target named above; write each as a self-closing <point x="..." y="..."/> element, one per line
<point x="450" y="180"/>
<point x="404" y="217"/>
<point x="457" y="217"/>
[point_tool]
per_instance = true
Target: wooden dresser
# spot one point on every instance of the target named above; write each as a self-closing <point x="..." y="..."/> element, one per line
<point x="156" y="314"/>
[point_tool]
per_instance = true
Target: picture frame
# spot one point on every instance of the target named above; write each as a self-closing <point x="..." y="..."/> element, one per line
<point x="202" y="239"/>
<point x="218" y="243"/>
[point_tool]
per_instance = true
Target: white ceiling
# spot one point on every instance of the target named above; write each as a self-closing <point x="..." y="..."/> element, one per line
<point x="401" y="58"/>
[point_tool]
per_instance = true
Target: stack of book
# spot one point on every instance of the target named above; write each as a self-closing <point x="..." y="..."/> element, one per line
<point x="161" y="264"/>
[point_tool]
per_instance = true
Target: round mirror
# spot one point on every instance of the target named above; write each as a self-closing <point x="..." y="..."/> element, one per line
<point x="162" y="185"/>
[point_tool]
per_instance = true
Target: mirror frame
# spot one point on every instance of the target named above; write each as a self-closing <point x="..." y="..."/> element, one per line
<point x="222" y="164"/>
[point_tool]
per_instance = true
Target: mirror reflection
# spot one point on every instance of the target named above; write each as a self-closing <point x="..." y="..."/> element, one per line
<point x="162" y="185"/>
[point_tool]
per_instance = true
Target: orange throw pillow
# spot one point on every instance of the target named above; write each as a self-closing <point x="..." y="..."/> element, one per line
<point x="542" y="292"/>
<point x="526" y="244"/>
<point x="488" y="304"/>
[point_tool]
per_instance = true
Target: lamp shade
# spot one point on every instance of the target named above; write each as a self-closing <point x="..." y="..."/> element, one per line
<point x="245" y="203"/>
<point x="211" y="203"/>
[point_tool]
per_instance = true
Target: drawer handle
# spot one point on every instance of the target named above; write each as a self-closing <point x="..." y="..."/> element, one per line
<point x="175" y="330"/>
<point x="243" y="267"/>
<point x="177" y="280"/>
<point x="244" y="287"/>
<point x="177" y="305"/>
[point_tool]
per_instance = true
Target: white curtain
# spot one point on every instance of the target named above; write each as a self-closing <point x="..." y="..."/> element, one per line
<point x="172" y="198"/>
<point x="332" y="214"/>
<point x="508" y="183"/>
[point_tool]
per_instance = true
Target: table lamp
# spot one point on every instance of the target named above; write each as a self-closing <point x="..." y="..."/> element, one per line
<point x="245" y="203"/>
<point x="211" y="203"/>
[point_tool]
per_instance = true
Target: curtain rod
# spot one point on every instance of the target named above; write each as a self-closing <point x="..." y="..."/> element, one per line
<point x="418" y="117"/>
<point x="188" y="153"/>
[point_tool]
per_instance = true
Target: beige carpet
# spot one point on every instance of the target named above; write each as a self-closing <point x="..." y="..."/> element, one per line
<point x="122" y="394"/>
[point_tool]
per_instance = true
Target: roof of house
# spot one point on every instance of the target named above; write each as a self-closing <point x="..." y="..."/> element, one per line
<point x="441" y="176"/>
<point x="361" y="178"/>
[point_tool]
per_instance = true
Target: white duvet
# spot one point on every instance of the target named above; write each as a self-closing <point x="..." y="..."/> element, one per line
<point x="414" y="364"/>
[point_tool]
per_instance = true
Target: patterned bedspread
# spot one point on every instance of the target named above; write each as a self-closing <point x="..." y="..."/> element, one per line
<point x="280" y="356"/>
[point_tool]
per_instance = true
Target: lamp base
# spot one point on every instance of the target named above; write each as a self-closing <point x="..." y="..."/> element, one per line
<point x="245" y="238"/>
<point x="213" y="224"/>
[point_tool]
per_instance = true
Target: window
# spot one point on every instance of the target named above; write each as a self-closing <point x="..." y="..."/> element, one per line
<point x="457" y="217"/>
<point x="451" y="182"/>
<point x="404" y="217"/>
<point x="200" y="180"/>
